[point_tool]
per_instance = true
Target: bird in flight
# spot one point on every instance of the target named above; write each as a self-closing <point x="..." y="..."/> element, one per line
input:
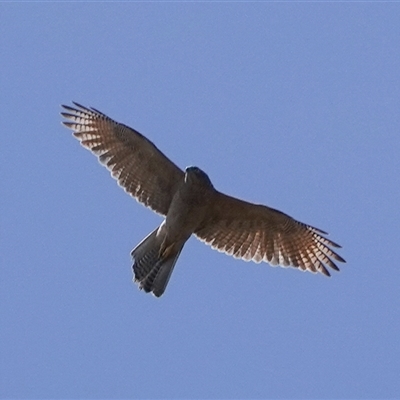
<point x="191" y="205"/>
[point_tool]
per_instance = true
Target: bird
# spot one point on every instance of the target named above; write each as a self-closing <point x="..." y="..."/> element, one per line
<point x="192" y="206"/>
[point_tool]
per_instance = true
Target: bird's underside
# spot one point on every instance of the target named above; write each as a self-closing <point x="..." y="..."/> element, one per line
<point x="191" y="205"/>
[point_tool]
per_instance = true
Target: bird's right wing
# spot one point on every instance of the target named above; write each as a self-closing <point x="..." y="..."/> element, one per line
<point x="133" y="160"/>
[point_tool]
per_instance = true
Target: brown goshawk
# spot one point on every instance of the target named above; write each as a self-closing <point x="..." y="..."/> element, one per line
<point x="191" y="205"/>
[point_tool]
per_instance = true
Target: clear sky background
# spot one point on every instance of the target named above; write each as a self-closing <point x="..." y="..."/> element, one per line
<point x="293" y="105"/>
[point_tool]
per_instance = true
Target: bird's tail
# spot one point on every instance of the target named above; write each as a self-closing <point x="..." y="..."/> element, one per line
<point x="153" y="264"/>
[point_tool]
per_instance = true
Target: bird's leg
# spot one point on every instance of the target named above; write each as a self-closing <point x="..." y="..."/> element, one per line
<point x="166" y="249"/>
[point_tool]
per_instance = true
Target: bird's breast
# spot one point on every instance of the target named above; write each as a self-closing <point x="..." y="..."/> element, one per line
<point x="186" y="212"/>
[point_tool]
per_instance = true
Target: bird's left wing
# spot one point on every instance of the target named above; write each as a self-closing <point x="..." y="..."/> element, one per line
<point x="133" y="160"/>
<point x="259" y="233"/>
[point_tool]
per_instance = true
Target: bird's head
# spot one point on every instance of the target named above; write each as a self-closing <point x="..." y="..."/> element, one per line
<point x="194" y="175"/>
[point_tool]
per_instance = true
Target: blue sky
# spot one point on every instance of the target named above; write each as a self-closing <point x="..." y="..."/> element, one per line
<point x="293" y="105"/>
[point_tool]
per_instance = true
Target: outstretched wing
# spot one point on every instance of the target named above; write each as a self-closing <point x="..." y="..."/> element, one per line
<point x="259" y="233"/>
<point x="134" y="161"/>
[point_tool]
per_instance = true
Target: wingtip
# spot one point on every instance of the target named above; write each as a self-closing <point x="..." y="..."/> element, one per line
<point x="337" y="257"/>
<point x="79" y="105"/>
<point x="76" y="104"/>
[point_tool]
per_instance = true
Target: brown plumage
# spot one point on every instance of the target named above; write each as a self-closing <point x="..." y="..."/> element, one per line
<point x="191" y="205"/>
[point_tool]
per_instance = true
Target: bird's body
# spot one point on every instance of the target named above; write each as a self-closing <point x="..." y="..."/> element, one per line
<point x="155" y="256"/>
<point x="191" y="205"/>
